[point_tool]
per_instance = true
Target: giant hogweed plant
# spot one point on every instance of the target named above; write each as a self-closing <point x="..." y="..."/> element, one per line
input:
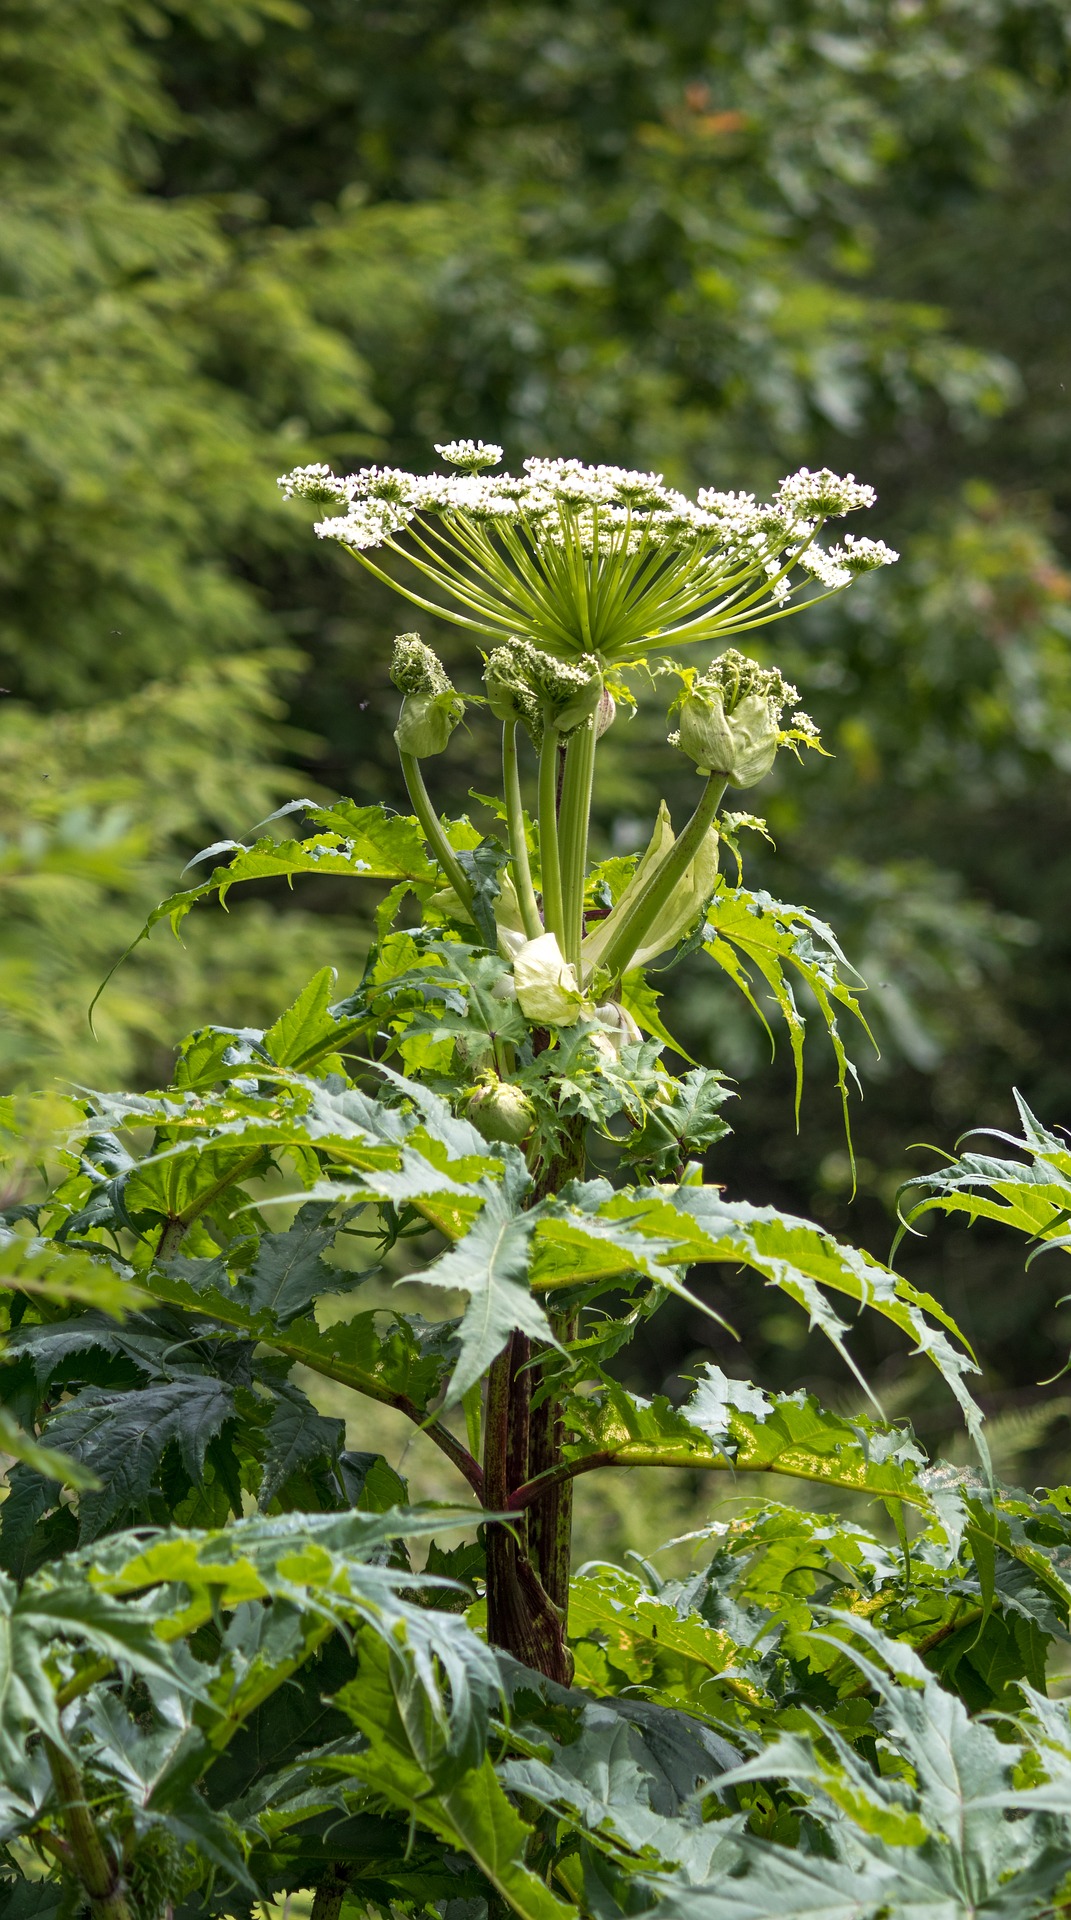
<point x="229" y="1670"/>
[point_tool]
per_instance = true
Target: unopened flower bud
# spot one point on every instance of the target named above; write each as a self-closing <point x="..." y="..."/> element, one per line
<point x="548" y="991"/>
<point x="526" y="684"/>
<point x="416" y="668"/>
<point x="509" y="695"/>
<point x="605" y="713"/>
<point x="501" y="1112"/>
<point x="618" y="1026"/>
<point x="730" y="718"/>
<point x="569" y="692"/>
<point x="741" y="746"/>
<point x="431" y="708"/>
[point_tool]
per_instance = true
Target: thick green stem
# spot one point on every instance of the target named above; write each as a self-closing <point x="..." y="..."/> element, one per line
<point x="97" y="1871"/>
<point x="629" y="937"/>
<point x="573" y="822"/>
<point x="433" y="829"/>
<point x="518" y="842"/>
<point x="548" y="835"/>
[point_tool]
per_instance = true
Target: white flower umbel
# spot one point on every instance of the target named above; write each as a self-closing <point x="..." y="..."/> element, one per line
<point x="592" y="560"/>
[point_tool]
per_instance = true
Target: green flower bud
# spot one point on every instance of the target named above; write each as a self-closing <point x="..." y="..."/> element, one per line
<point x="414" y="668"/>
<point x="730" y="718"/>
<point x="426" y="722"/>
<point x="502" y="1113"/>
<point x="533" y="687"/>
<point x="548" y="991"/>
<point x="509" y="695"/>
<point x="569" y="692"/>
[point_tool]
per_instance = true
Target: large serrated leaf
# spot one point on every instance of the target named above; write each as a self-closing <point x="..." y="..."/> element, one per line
<point x="729" y="1426"/>
<point x="407" y="1765"/>
<point x="751" y="934"/>
<point x="803" y="1260"/>
<point x="122" y="1437"/>
<point x="296" y="1437"/>
<point x="289" y="1271"/>
<point x="491" y="1265"/>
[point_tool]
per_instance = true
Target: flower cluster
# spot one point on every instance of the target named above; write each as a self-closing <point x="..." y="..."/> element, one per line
<point x="415" y="668"/>
<point x="596" y="560"/>
<point x="470" y="454"/>
<point x="526" y="684"/>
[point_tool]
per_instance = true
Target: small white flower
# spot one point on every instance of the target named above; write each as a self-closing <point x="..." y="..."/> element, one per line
<point x="316" y="482"/>
<point x="862" y="556"/>
<point x="820" y="494"/>
<point x="824" y="566"/>
<point x="472" y="454"/>
<point x="368" y="524"/>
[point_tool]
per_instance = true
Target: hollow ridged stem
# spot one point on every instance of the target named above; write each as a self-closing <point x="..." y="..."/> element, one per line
<point x="629" y="936"/>
<point x="518" y="843"/>
<point x="433" y="830"/>
<point x="548" y="835"/>
<point x="99" y="1874"/>
<point x="573" y="834"/>
<point x="327" y="1904"/>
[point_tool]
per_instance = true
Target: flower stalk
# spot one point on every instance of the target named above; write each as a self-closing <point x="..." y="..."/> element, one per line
<point x="434" y="831"/>
<point x="573" y="822"/>
<point x="570" y="570"/>
<point x="520" y="864"/>
<point x="549" y="850"/>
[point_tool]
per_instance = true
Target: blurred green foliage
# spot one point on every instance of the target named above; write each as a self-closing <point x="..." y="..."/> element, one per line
<point x="715" y="240"/>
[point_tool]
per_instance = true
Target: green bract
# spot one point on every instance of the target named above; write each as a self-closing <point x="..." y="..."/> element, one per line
<point x="431" y="708"/>
<point x="730" y="718"/>
<point x="426" y="722"/>
<point x="548" y="991"/>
